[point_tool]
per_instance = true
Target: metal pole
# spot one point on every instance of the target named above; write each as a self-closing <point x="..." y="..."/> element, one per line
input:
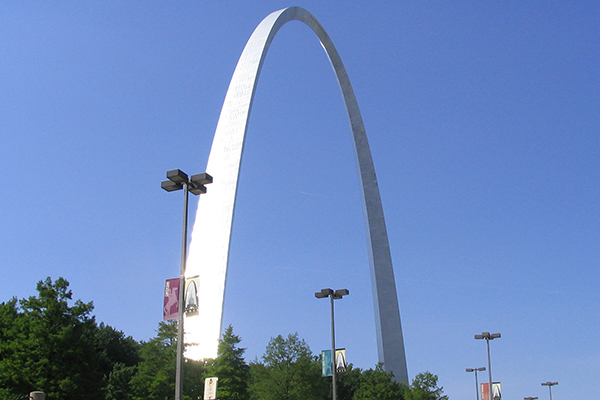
<point x="550" y="389"/>
<point x="476" y="385"/>
<point x="181" y="311"/>
<point x="333" y="369"/>
<point x="487" y="340"/>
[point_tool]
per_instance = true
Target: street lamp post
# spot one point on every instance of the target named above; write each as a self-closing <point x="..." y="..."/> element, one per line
<point x="550" y="384"/>
<point x="489" y="336"/>
<point x="334" y="295"/>
<point x="476" y="381"/>
<point x="179" y="180"/>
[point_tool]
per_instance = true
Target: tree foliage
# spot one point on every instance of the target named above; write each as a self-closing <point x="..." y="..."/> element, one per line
<point x="348" y="383"/>
<point x="425" y="387"/>
<point x="12" y="337"/>
<point x="118" y="386"/>
<point x="231" y="368"/>
<point x="116" y="348"/>
<point x="288" y="371"/>
<point x="155" y="377"/>
<point x="52" y="346"/>
<point x="119" y="356"/>
<point x="378" y="384"/>
<point x="51" y="343"/>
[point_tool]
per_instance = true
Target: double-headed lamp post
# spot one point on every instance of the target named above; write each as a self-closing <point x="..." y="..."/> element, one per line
<point x="489" y="336"/>
<point x="550" y="384"/>
<point x="334" y="295"/>
<point x="179" y="180"/>
<point x="476" y="381"/>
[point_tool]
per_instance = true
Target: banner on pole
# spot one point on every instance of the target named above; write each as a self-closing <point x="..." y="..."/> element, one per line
<point x="340" y="362"/>
<point x="210" y="388"/>
<point x="326" y="363"/>
<point x="171" y="300"/>
<point x="496" y="391"/>
<point x="191" y="295"/>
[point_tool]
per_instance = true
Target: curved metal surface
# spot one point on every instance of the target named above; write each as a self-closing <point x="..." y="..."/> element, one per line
<point x="209" y="247"/>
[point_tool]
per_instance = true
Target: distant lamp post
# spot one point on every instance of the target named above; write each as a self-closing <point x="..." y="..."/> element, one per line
<point x="550" y="384"/>
<point x="489" y="336"/>
<point x="179" y="180"/>
<point x="476" y="381"/>
<point x="334" y="295"/>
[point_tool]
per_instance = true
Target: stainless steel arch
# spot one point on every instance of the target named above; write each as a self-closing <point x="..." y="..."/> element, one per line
<point x="209" y="247"/>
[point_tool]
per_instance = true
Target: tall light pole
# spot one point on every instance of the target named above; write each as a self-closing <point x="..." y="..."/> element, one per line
<point x="476" y="381"/>
<point x="489" y="336"/>
<point x="334" y="295"/>
<point x="550" y="384"/>
<point x="179" y="180"/>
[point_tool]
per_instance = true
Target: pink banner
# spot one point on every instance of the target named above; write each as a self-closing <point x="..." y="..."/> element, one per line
<point x="171" y="302"/>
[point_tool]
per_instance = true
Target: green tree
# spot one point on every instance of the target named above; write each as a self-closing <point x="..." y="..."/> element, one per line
<point x="155" y="377"/>
<point x="348" y="383"/>
<point x="425" y="387"/>
<point x="378" y="384"/>
<point x="12" y="334"/>
<point x="288" y="371"/>
<point x="116" y="348"/>
<point x="119" y="355"/>
<point x="231" y="368"/>
<point x="49" y="345"/>
<point x="118" y="386"/>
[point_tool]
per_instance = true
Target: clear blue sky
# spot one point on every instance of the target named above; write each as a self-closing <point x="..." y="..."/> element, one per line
<point x="483" y="121"/>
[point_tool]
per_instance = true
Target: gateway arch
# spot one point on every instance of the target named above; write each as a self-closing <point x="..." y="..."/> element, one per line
<point x="209" y="246"/>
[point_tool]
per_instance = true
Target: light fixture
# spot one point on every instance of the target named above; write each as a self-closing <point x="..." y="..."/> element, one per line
<point x="334" y="295"/>
<point x="177" y="180"/>
<point x="489" y="336"/>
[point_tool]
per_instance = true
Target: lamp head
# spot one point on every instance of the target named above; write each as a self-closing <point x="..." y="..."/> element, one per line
<point x="201" y="179"/>
<point x="487" y="336"/>
<point x="197" y="189"/>
<point x="177" y="176"/>
<point x="171" y="186"/>
<point x="324" y="293"/>
<point x="338" y="294"/>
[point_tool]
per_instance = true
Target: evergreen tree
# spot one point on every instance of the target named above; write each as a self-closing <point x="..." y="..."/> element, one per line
<point x="231" y="368"/>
